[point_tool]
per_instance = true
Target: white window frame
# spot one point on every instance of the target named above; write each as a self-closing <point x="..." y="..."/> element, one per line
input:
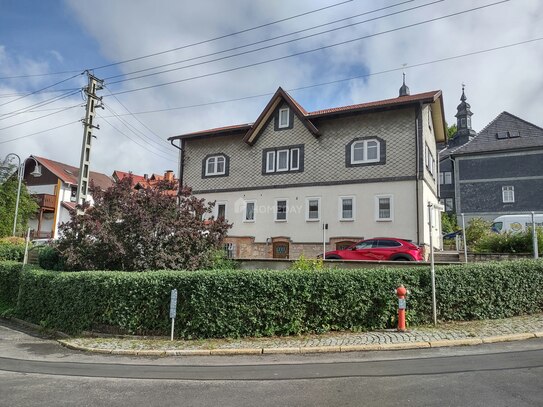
<point x="447" y="177"/>
<point x="216" y="209"/>
<point x="365" y="159"/>
<point x="508" y="194"/>
<point x="340" y="209"/>
<point x="376" y="211"/>
<point x="449" y="204"/>
<point x="215" y="159"/>
<point x="245" y="220"/>
<point x="441" y="178"/>
<point x="277" y="209"/>
<point x="284" y="112"/>
<point x="313" y="198"/>
<point x="292" y="168"/>
<point x="270" y="159"/>
<point x="278" y="154"/>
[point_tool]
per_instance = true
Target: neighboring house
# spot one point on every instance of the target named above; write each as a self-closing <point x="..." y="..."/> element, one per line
<point x="55" y="190"/>
<point x="144" y="181"/>
<point x="495" y="172"/>
<point x="363" y="170"/>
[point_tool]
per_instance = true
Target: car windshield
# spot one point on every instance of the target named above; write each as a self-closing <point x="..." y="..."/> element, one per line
<point x="497" y="226"/>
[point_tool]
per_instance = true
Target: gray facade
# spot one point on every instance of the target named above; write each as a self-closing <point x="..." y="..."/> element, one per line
<point x="495" y="172"/>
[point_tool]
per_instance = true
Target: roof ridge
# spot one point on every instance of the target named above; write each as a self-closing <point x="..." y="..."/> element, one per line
<point x="521" y="119"/>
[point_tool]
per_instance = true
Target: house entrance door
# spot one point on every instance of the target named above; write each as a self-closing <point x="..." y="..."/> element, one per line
<point x="280" y="250"/>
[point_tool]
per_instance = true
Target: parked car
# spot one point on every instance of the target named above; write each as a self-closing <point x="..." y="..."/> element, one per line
<point x="379" y="248"/>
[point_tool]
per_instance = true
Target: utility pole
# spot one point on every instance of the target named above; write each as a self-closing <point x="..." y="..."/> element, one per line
<point x="92" y="104"/>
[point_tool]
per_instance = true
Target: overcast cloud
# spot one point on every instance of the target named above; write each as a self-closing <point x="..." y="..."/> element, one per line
<point x="508" y="79"/>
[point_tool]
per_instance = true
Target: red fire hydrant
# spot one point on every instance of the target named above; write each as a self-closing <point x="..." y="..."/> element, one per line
<point x="401" y="293"/>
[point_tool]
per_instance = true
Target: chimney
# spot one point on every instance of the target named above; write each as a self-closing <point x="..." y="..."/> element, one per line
<point x="168" y="175"/>
<point x="146" y="176"/>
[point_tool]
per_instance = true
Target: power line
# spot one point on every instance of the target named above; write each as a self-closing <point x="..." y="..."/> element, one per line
<point x="274" y="38"/>
<point x="38" y="118"/>
<point x="416" y="65"/>
<point x="309" y="51"/>
<point x="141" y="135"/>
<point x="135" y="117"/>
<point x="12" y="95"/>
<point x="39" y="132"/>
<point x="45" y="102"/>
<point x="189" y="45"/>
<point x="142" y="146"/>
<point x="39" y="90"/>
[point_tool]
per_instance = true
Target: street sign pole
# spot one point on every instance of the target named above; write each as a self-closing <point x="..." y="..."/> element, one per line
<point x="173" y="309"/>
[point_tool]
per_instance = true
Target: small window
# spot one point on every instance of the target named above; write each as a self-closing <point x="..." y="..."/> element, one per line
<point x="346" y="208"/>
<point x="270" y="161"/>
<point x="215" y="165"/>
<point x="365" y="151"/>
<point x="448" y="177"/>
<point x="282" y="160"/>
<point x="508" y="194"/>
<point x="387" y="243"/>
<point x="463" y="122"/>
<point x="220" y="212"/>
<point x="449" y="204"/>
<point x="73" y="194"/>
<point x="441" y="178"/>
<point x="469" y="122"/>
<point x="249" y="215"/>
<point x="313" y="206"/>
<point x="295" y="159"/>
<point x="367" y="244"/>
<point x="284" y="118"/>
<point x="384" y="208"/>
<point x="281" y="210"/>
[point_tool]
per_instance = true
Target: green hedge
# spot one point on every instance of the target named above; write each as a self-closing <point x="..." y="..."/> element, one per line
<point x="261" y="303"/>
<point x="10" y="272"/>
<point x="12" y="248"/>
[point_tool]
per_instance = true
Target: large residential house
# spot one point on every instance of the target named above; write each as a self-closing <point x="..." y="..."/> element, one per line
<point x="55" y="190"/>
<point x="362" y="171"/>
<point x="494" y="172"/>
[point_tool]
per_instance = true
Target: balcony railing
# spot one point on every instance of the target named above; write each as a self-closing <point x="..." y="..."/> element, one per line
<point x="45" y="201"/>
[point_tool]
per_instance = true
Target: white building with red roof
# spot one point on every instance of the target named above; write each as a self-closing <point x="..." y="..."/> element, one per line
<point x="362" y="170"/>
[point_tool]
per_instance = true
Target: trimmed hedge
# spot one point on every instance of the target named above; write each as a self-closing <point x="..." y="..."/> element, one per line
<point x="262" y="303"/>
<point x="12" y="248"/>
<point x="10" y="273"/>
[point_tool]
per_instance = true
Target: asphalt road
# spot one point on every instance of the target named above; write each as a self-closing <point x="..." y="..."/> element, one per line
<point x="34" y="371"/>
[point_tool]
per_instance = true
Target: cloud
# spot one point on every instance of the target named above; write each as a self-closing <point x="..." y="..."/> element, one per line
<point x="496" y="81"/>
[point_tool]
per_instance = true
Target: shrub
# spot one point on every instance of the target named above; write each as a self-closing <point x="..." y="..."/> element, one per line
<point x="304" y="264"/>
<point x="229" y="303"/>
<point x="10" y="272"/>
<point x="520" y="242"/>
<point x="477" y="229"/>
<point x="12" y="248"/>
<point x="50" y="258"/>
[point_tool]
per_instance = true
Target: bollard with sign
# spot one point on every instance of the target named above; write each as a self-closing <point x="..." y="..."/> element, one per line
<point x="173" y="309"/>
<point x="401" y="292"/>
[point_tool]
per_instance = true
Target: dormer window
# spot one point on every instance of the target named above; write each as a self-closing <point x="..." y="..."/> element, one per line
<point x="284" y="118"/>
<point x="365" y="151"/>
<point x="215" y="165"/>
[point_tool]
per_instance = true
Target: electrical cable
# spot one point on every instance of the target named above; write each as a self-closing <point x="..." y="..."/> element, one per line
<point x="38" y="118"/>
<point x="307" y="51"/>
<point x="38" y="104"/>
<point x="38" y="132"/>
<point x="189" y="45"/>
<point x="268" y="40"/>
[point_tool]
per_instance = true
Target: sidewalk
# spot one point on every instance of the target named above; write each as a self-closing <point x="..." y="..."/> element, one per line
<point x="446" y="334"/>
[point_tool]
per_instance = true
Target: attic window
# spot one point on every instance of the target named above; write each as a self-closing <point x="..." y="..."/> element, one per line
<point x="68" y="171"/>
<point x="284" y="118"/>
<point x="502" y="135"/>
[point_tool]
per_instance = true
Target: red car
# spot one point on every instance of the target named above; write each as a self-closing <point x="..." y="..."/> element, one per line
<point x="379" y="248"/>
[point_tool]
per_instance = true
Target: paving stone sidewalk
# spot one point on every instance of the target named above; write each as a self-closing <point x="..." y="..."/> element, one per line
<point x="445" y="334"/>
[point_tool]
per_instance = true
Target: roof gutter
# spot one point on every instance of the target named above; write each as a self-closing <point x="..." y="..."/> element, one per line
<point x="181" y="149"/>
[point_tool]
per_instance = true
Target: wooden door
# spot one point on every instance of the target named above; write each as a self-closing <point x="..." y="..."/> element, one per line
<point x="280" y="250"/>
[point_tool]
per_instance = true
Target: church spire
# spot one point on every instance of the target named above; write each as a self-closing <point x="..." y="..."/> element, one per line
<point x="464" y="132"/>
<point x="404" y="90"/>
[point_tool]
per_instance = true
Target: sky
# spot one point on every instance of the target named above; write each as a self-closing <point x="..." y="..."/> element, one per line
<point x="45" y="47"/>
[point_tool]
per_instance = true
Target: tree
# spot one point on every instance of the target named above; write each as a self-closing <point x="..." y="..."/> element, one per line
<point x="8" y="198"/>
<point x="140" y="230"/>
<point x="451" y="131"/>
<point x="448" y="223"/>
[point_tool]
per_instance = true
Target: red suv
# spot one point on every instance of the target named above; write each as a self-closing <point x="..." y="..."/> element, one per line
<point x="379" y="248"/>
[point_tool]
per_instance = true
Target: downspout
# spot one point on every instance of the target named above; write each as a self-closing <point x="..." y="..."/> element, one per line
<point x="418" y="111"/>
<point x="181" y="149"/>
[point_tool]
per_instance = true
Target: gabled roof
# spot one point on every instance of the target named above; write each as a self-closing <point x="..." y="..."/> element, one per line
<point x="528" y="136"/>
<point x="70" y="174"/>
<point x="280" y="96"/>
<point x="120" y="175"/>
<point x="252" y="131"/>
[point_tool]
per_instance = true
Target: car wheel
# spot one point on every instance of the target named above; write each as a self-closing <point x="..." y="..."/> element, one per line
<point x="402" y="258"/>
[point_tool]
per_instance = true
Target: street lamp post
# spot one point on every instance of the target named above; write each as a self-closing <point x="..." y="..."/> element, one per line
<point x="20" y="175"/>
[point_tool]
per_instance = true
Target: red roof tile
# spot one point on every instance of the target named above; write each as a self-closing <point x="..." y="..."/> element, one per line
<point x="70" y="174"/>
